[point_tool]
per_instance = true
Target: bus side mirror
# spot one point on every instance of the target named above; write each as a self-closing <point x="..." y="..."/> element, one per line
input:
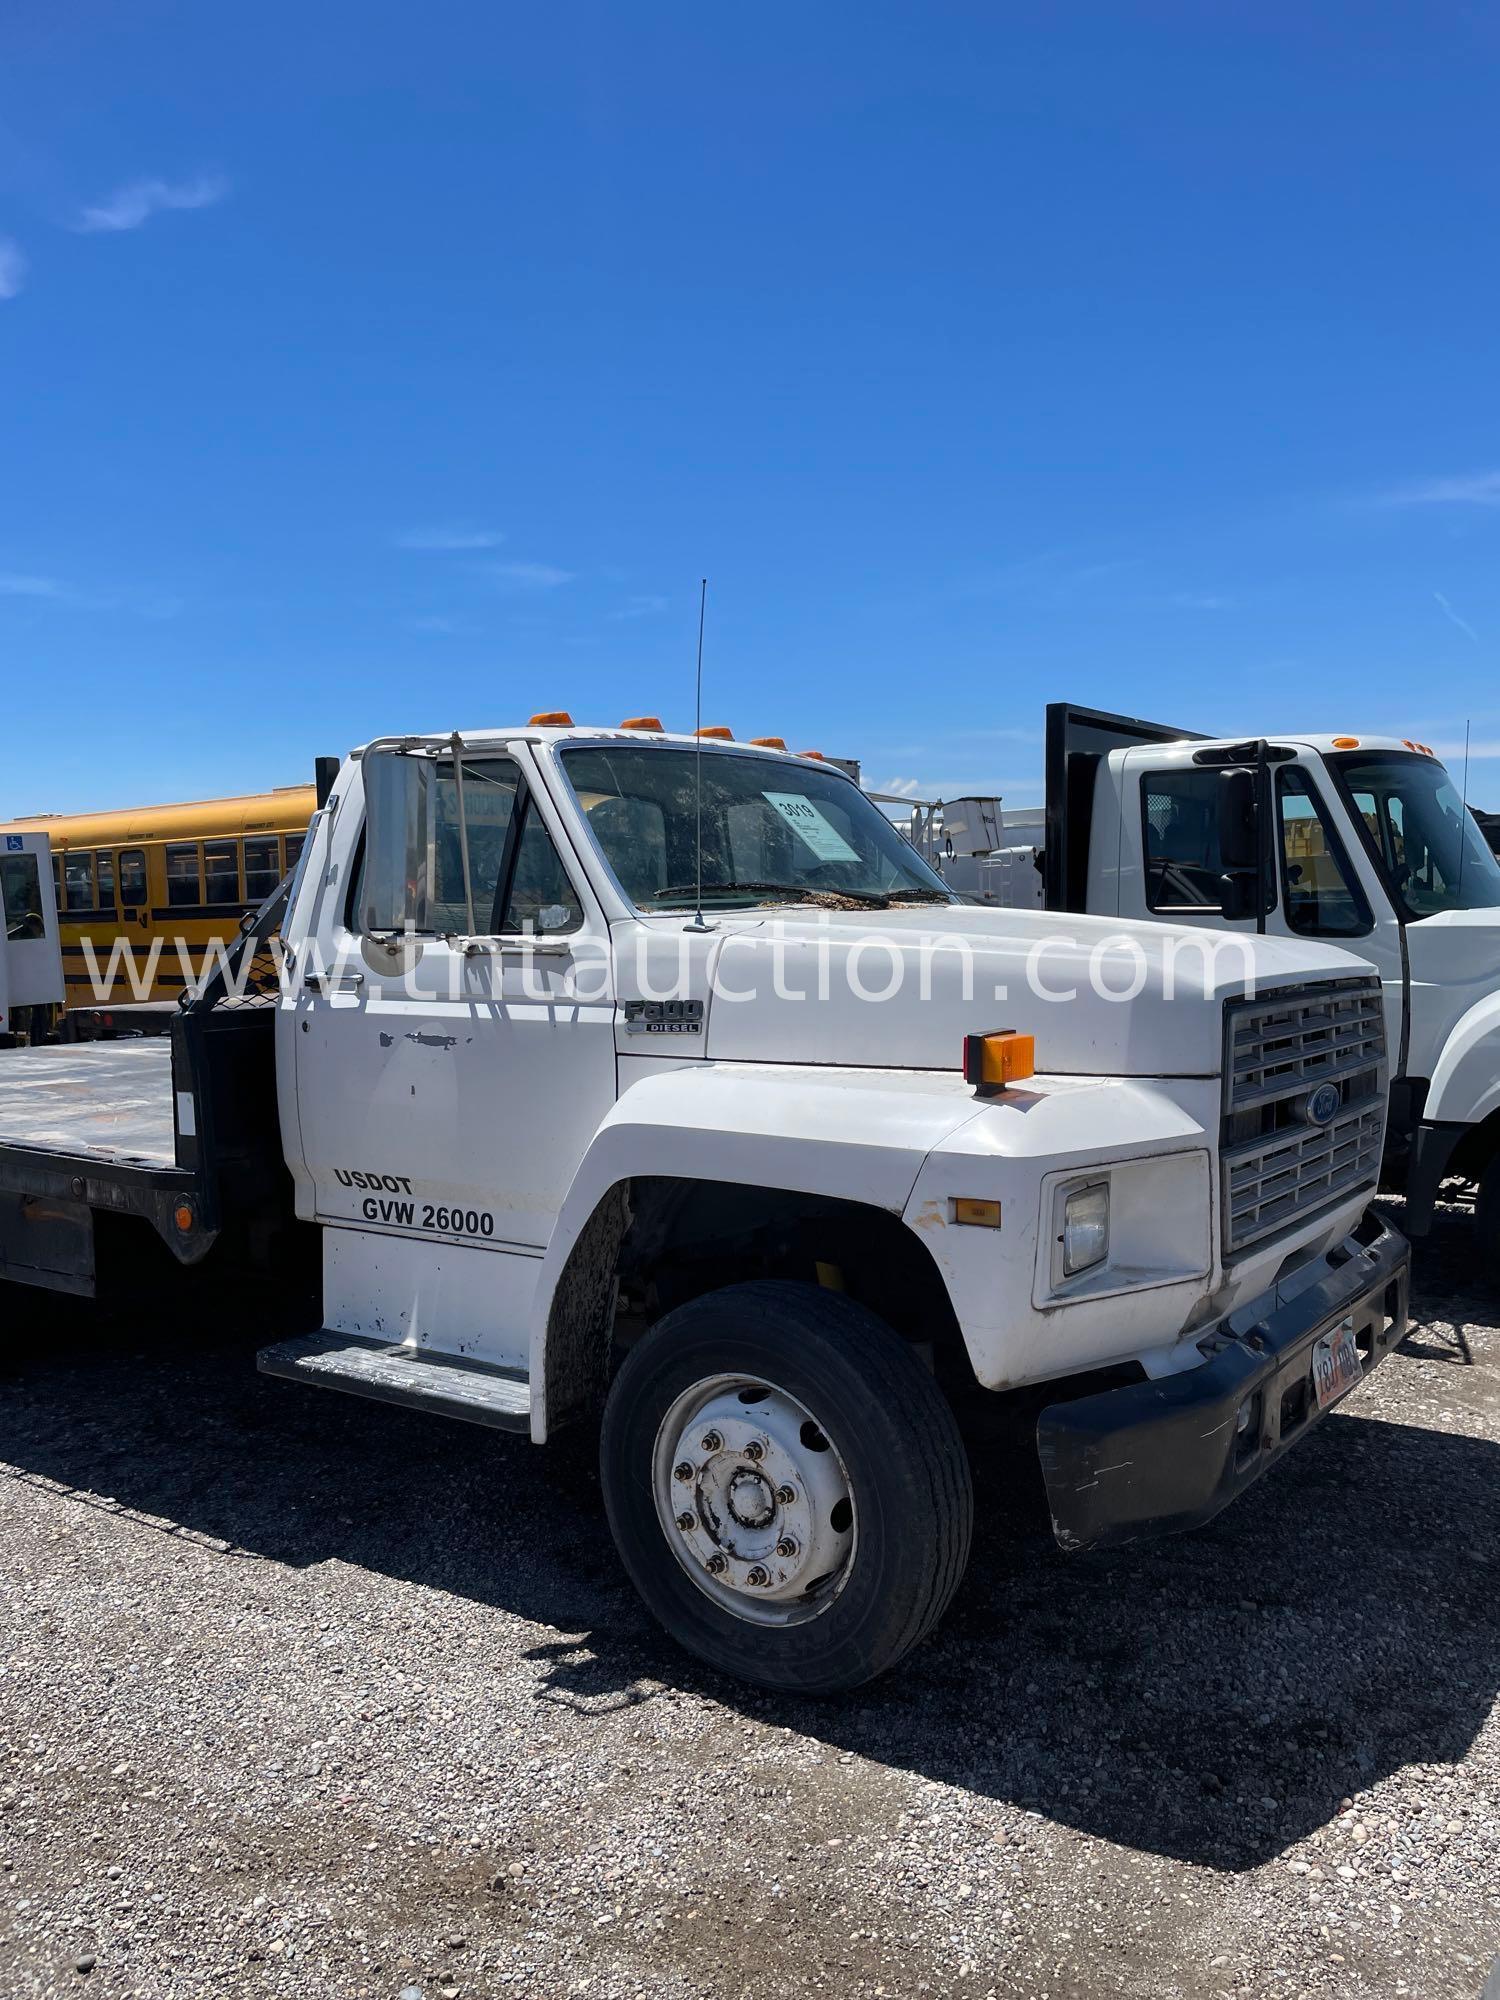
<point x="1239" y="820"/>
<point x="397" y="891"/>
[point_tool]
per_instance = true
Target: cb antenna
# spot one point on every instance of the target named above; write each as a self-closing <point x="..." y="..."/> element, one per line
<point x="698" y="923"/>
<point x="1464" y="808"/>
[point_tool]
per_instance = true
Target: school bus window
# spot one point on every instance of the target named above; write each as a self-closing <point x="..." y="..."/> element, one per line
<point x="183" y="881"/>
<point x="78" y="881"/>
<point x="262" y="869"/>
<point x="221" y="871"/>
<point x="133" y="877"/>
<point x="104" y="870"/>
<point x="294" y="849"/>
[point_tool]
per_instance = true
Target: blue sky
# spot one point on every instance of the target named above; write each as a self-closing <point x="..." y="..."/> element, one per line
<point x="367" y="367"/>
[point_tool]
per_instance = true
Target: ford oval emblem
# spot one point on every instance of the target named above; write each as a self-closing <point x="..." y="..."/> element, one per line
<point x="1324" y="1104"/>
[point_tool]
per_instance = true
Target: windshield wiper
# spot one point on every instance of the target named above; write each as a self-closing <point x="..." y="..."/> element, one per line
<point x="920" y="896"/>
<point x="827" y="898"/>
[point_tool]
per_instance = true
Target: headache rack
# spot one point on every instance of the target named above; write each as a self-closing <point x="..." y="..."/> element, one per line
<point x="1304" y="1104"/>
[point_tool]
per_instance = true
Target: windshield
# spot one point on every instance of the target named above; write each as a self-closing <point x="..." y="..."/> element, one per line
<point x="775" y="830"/>
<point x="1421" y="833"/>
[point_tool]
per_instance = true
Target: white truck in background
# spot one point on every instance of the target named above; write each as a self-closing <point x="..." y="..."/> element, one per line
<point x="1360" y="841"/>
<point x="628" y="1077"/>
<point x="31" y="970"/>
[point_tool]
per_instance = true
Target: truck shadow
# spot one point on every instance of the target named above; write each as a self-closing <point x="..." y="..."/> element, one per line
<point x="1211" y="1698"/>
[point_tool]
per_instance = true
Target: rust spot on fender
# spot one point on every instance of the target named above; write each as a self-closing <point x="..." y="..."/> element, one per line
<point x="931" y="1215"/>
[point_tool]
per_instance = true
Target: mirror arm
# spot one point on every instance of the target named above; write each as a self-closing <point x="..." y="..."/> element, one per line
<point x="463" y="830"/>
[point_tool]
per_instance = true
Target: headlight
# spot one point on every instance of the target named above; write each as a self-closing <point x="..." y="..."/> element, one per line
<point x="1085" y="1230"/>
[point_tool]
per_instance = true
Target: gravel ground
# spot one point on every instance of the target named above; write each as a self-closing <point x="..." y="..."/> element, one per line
<point x="308" y="1697"/>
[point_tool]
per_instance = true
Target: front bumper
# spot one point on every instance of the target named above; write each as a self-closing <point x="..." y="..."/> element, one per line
<point x="1159" y="1456"/>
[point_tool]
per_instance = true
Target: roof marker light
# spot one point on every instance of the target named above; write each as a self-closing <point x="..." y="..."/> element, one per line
<point x="816" y="754"/>
<point x="551" y="718"/>
<point x="1346" y="742"/>
<point x="769" y="742"/>
<point x="642" y="722"/>
<point x="717" y="731"/>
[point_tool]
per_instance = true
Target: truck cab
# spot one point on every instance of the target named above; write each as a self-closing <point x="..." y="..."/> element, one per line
<point x="31" y="971"/>
<point x="1364" y="842"/>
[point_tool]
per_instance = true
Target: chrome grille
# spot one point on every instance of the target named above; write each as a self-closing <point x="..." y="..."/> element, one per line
<point x="1280" y="1165"/>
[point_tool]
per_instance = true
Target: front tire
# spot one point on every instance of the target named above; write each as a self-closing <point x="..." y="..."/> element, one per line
<point x="786" y="1486"/>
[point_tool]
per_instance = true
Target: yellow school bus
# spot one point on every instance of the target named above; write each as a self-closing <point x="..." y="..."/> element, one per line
<point x="171" y="882"/>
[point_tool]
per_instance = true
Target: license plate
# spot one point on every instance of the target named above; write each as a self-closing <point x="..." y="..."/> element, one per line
<point x="1335" y="1364"/>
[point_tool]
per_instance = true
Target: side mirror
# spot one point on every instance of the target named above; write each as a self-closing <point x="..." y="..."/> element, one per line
<point x="1237" y="896"/>
<point x="397" y="890"/>
<point x="1239" y="820"/>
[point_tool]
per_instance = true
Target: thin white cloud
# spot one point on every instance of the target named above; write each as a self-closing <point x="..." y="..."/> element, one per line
<point x="13" y="585"/>
<point x="1465" y="489"/>
<point x="528" y="575"/>
<point x="137" y="201"/>
<point x="1453" y="752"/>
<point x="12" y="267"/>
<point x="643" y="606"/>
<point x="450" y="540"/>
<point x="1453" y="618"/>
<point x="440" y="627"/>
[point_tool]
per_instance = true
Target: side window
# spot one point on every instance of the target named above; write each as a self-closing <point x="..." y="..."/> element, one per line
<point x="21" y="893"/>
<point x="78" y="881"/>
<point x="541" y="896"/>
<point x="490" y="788"/>
<point x="133" y="877"/>
<point x="104" y="870"/>
<point x="1181" y="813"/>
<point x="1323" y="898"/>
<point x="262" y="868"/>
<point x="221" y="871"/>
<point x="184" y="876"/>
<point x="294" y="844"/>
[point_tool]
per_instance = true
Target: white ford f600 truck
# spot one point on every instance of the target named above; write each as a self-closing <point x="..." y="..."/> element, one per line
<point x="1359" y="841"/>
<point x="632" y="1077"/>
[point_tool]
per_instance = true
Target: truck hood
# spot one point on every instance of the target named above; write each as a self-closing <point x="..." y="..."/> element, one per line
<point x="901" y="988"/>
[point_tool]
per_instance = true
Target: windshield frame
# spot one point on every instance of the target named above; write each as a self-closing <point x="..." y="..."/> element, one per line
<point x="779" y="765"/>
<point x="1339" y="762"/>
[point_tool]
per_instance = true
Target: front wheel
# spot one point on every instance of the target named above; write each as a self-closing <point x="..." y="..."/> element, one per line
<point x="786" y="1486"/>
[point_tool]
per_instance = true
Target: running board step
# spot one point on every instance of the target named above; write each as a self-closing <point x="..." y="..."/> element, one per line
<point x="398" y="1374"/>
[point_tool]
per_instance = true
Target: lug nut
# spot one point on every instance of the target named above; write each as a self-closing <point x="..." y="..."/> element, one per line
<point x="711" y="1441"/>
<point x="685" y="1521"/>
<point x="787" y="1495"/>
<point x="758" y="1576"/>
<point x="682" y="1471"/>
<point x="716" y="1565"/>
<point x="755" y="1451"/>
<point x="786" y="1546"/>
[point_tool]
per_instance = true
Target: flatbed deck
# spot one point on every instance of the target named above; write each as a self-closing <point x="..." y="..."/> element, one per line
<point x="108" y="1102"/>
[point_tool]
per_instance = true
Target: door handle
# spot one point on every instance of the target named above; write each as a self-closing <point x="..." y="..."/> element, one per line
<point x="537" y="947"/>
<point x="347" y="982"/>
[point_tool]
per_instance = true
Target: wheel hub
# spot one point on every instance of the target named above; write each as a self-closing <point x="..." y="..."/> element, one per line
<point x="753" y="1499"/>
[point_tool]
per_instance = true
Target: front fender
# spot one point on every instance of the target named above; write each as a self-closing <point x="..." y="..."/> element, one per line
<point x="1465" y="1086"/>
<point x="851" y="1134"/>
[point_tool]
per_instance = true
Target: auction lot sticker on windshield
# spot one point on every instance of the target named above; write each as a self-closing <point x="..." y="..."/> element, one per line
<point x="821" y="836"/>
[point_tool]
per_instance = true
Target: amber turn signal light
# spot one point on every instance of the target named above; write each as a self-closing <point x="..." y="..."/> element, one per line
<point x="977" y="1214"/>
<point x="993" y="1061"/>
